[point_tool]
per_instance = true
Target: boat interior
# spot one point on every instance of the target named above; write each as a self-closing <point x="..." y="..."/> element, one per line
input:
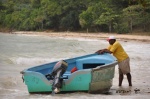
<point x="75" y="64"/>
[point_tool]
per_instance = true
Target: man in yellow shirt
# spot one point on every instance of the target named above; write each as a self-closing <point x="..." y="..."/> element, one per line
<point x="123" y="59"/>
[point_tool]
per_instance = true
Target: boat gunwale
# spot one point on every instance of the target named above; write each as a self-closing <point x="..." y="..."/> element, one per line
<point x="69" y="60"/>
<point x="105" y="66"/>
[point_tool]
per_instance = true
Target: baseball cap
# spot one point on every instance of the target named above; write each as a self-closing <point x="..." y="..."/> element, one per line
<point x="110" y="37"/>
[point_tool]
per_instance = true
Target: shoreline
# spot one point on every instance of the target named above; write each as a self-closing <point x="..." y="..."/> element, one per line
<point x="104" y="36"/>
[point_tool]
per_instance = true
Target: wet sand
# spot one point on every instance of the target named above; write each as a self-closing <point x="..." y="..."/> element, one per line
<point x="138" y="49"/>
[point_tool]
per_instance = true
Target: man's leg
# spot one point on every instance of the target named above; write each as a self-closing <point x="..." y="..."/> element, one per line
<point x="120" y="79"/>
<point x="129" y="79"/>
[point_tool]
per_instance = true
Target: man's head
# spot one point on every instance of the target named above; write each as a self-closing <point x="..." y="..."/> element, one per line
<point x="111" y="40"/>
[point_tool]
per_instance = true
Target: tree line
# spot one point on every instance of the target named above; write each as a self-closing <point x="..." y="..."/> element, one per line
<point x="121" y="16"/>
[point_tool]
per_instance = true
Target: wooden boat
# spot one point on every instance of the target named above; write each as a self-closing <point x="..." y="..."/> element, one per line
<point x="92" y="73"/>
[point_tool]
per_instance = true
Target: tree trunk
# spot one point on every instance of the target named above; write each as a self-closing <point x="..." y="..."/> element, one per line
<point x="131" y="25"/>
<point x="110" y="28"/>
<point x="87" y="30"/>
<point x="42" y="24"/>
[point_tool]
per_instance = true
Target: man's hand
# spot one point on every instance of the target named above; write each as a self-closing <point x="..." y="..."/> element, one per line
<point x="100" y="51"/>
<point x="103" y="51"/>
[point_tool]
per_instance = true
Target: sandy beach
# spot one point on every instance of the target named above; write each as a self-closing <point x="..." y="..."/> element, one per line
<point x="136" y="46"/>
<point x="88" y="35"/>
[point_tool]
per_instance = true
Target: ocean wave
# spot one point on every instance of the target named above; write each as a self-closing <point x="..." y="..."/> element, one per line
<point x="33" y="61"/>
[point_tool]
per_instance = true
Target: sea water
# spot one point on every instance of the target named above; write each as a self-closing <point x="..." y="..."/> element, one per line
<point x="21" y="51"/>
<point x="18" y="52"/>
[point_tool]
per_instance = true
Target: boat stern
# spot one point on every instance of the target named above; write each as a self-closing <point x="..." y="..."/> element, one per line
<point x="102" y="77"/>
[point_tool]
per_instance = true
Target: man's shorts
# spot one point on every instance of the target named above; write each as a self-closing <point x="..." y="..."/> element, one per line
<point x="124" y="66"/>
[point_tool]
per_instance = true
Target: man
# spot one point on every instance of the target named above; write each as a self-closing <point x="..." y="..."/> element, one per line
<point x="123" y="59"/>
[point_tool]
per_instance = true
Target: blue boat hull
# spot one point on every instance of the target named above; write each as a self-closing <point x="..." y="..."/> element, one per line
<point x="94" y="74"/>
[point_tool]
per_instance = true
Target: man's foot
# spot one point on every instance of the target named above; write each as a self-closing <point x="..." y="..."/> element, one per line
<point x="120" y="79"/>
<point x="129" y="79"/>
<point x="130" y="84"/>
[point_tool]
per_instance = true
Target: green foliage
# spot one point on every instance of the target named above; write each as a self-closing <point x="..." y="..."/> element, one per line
<point x="121" y="28"/>
<point x="86" y="18"/>
<point x="121" y="16"/>
<point x="98" y="14"/>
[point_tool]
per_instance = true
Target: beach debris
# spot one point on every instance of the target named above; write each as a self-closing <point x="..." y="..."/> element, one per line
<point x="123" y="91"/>
<point x="136" y="90"/>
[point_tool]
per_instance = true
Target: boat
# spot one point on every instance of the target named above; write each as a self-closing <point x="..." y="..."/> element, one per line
<point x="91" y="73"/>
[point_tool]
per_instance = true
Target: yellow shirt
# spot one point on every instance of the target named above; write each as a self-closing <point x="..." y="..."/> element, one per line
<point x="118" y="51"/>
